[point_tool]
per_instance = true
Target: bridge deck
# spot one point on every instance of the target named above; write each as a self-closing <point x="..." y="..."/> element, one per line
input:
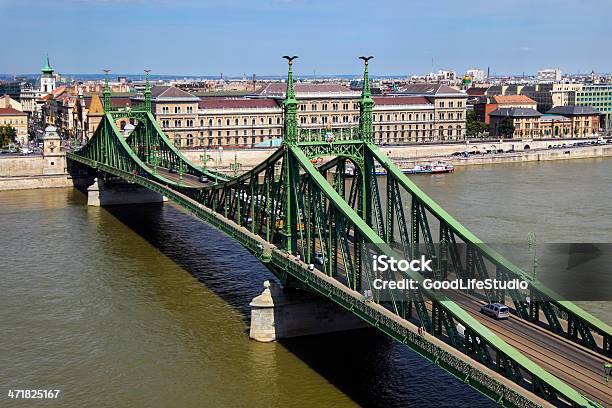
<point x="186" y="179"/>
<point x="578" y="366"/>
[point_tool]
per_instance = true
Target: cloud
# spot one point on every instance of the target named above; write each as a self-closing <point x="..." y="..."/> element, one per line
<point x="525" y="49"/>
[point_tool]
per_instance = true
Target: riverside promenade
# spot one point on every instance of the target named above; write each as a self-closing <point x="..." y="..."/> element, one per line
<point x="514" y="151"/>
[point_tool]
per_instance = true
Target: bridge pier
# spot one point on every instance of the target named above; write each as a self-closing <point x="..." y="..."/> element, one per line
<point x="101" y="193"/>
<point x="278" y="314"/>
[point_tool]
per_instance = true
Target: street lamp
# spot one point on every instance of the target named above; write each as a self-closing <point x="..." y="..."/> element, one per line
<point x="532" y="248"/>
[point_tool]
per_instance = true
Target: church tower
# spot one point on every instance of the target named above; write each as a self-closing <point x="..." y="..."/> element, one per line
<point x="47" y="80"/>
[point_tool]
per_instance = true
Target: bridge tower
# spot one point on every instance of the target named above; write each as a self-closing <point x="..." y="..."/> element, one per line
<point x="291" y="169"/>
<point x="106" y="93"/>
<point x="147" y="93"/>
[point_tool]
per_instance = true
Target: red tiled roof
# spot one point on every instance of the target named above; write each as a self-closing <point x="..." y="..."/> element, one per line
<point x="11" y="111"/>
<point x="220" y="103"/>
<point x="279" y="88"/>
<point x="513" y="99"/>
<point x="401" y="100"/>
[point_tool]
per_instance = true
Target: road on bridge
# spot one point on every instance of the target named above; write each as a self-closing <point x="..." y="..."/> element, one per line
<point x="581" y="368"/>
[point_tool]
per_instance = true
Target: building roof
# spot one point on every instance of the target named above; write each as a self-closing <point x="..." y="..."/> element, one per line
<point x="574" y="110"/>
<point x="11" y="112"/>
<point x="401" y="100"/>
<point x="169" y="92"/>
<point x="116" y="101"/>
<point x="46" y="69"/>
<point x="477" y="91"/>
<point x="95" y="106"/>
<point x="277" y="89"/>
<point x="516" y="112"/>
<point x="513" y="100"/>
<point x="429" y="89"/>
<point x="236" y="103"/>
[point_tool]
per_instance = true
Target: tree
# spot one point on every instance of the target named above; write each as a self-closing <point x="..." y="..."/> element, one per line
<point x="506" y="127"/>
<point x="473" y="127"/>
<point x="8" y="134"/>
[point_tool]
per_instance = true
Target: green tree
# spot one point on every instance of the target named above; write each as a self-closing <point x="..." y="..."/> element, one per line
<point x="474" y="127"/>
<point x="506" y="127"/>
<point x="8" y="134"/>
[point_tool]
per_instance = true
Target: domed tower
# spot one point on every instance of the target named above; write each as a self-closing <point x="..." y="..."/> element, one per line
<point x="467" y="82"/>
<point x="47" y="80"/>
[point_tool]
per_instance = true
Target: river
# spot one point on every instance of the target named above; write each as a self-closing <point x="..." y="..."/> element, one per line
<point x="135" y="306"/>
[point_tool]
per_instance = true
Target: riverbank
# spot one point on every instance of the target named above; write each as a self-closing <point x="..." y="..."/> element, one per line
<point x="34" y="171"/>
<point x="408" y="156"/>
<point x="583" y="152"/>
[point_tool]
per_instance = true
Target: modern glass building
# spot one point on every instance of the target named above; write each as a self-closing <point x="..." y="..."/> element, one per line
<point x="599" y="96"/>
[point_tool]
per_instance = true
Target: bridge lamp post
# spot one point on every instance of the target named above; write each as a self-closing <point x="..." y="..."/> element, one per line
<point x="532" y="248"/>
<point x="235" y="166"/>
<point x="180" y="171"/>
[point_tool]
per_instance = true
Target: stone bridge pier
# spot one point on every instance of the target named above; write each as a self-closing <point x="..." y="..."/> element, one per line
<point x="281" y="314"/>
<point x="101" y="193"/>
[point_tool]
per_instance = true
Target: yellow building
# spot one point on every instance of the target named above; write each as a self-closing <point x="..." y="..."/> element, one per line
<point x="17" y="120"/>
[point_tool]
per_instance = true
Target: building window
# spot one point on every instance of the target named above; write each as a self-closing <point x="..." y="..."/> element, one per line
<point x="177" y="109"/>
<point x="190" y="109"/>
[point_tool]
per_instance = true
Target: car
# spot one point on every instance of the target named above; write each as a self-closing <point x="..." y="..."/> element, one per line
<point x="318" y="258"/>
<point x="203" y="179"/>
<point x="496" y="310"/>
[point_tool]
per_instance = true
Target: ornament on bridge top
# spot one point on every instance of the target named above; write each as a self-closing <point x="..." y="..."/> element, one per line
<point x="106" y="94"/>
<point x="147" y="92"/>
<point x="329" y="135"/>
<point x="290" y="136"/>
<point x="366" y="103"/>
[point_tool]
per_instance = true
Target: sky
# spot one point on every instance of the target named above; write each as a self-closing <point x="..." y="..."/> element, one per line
<point x="200" y="37"/>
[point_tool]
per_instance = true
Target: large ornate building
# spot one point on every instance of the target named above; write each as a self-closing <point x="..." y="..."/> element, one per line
<point x="413" y="115"/>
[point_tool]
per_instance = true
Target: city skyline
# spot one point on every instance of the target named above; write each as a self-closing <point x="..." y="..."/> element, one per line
<point x="237" y="38"/>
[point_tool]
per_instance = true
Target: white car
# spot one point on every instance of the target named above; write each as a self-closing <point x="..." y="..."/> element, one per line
<point x="318" y="258"/>
<point x="496" y="310"/>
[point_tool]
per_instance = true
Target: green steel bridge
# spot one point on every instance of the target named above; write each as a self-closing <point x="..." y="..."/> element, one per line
<point x="549" y="353"/>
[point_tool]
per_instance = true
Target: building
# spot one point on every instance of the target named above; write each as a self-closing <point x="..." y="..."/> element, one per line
<point x="584" y="120"/>
<point x="478" y="75"/>
<point x="599" y="96"/>
<point x="17" y="120"/>
<point x="177" y="113"/>
<point x="526" y="122"/>
<point x="560" y="121"/>
<point x="11" y="88"/>
<point x="552" y="126"/>
<point x="406" y="119"/>
<point x="487" y="105"/>
<point x="549" y="74"/>
<point x="238" y="122"/>
<point x="7" y="102"/>
<point x="47" y="80"/>
<point x="449" y="109"/>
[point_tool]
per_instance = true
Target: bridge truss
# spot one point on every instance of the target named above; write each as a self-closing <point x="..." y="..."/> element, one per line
<point x="295" y="203"/>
